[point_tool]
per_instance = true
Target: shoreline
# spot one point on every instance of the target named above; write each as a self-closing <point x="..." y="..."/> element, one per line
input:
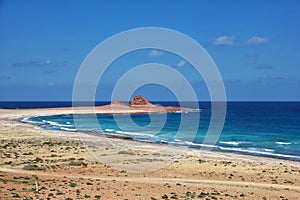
<point x="282" y="157"/>
<point x="117" y="109"/>
<point x="17" y="114"/>
<point x="78" y="165"/>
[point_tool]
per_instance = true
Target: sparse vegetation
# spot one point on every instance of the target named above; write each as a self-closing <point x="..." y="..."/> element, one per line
<point x="126" y="152"/>
<point x="72" y="184"/>
<point x="27" y="153"/>
<point x="37" y="159"/>
<point x="34" y="167"/>
<point x="77" y="163"/>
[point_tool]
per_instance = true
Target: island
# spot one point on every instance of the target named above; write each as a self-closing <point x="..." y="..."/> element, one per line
<point x="137" y="104"/>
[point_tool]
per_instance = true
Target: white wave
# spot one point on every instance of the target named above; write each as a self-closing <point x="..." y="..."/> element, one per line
<point x="134" y="133"/>
<point x="24" y="119"/>
<point x="127" y="133"/>
<point x="27" y="120"/>
<point x="283" y="143"/>
<point x="56" y="123"/>
<point x="188" y="110"/>
<point x="51" y="123"/>
<point x="230" y="143"/>
<point x="269" y="150"/>
<point x="68" y="129"/>
<point x="201" y="145"/>
<point x="178" y="111"/>
<point x="177" y="142"/>
<point x="109" y="130"/>
<point x="164" y="141"/>
<point x="44" y="123"/>
<point x="257" y="151"/>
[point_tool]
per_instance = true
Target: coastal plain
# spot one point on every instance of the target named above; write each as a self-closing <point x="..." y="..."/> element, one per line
<point x="48" y="164"/>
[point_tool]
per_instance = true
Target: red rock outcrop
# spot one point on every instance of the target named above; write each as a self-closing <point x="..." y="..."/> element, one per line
<point x="139" y="101"/>
<point x="118" y="102"/>
<point x="138" y="104"/>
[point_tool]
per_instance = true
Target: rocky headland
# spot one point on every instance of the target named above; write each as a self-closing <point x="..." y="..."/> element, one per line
<point x="140" y="104"/>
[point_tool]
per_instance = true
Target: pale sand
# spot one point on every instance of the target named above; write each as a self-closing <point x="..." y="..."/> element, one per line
<point x="163" y="170"/>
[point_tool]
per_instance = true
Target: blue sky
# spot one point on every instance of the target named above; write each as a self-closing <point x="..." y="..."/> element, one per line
<point x="255" y="45"/>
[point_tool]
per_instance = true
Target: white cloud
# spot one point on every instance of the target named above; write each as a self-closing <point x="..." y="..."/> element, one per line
<point x="230" y="41"/>
<point x="224" y="40"/>
<point x="256" y="40"/>
<point x="156" y="53"/>
<point x="181" y="63"/>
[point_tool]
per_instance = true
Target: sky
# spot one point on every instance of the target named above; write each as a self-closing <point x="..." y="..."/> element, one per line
<point x="255" y="45"/>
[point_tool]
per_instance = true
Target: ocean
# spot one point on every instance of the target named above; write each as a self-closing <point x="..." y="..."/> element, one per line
<point x="268" y="129"/>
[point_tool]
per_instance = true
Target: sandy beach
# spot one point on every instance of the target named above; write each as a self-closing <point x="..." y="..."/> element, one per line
<point x="45" y="164"/>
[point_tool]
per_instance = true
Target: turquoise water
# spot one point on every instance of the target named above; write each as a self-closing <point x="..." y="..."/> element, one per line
<point x="270" y="129"/>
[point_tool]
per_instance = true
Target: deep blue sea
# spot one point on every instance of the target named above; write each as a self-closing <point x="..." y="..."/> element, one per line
<point x="270" y="129"/>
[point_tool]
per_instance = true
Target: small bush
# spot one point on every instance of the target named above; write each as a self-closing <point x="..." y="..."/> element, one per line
<point x="126" y="152"/>
<point x="43" y="188"/>
<point x="27" y="154"/>
<point x="79" y="163"/>
<point x="34" y="167"/>
<point x="72" y="184"/>
<point x="37" y="159"/>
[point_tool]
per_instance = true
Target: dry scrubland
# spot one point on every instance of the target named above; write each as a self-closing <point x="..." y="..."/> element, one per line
<point x="64" y="168"/>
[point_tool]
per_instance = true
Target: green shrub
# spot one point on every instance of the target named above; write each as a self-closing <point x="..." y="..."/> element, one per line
<point x="77" y="163"/>
<point x="126" y="152"/>
<point x="34" y="167"/>
<point x="37" y="159"/>
<point x="72" y="184"/>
